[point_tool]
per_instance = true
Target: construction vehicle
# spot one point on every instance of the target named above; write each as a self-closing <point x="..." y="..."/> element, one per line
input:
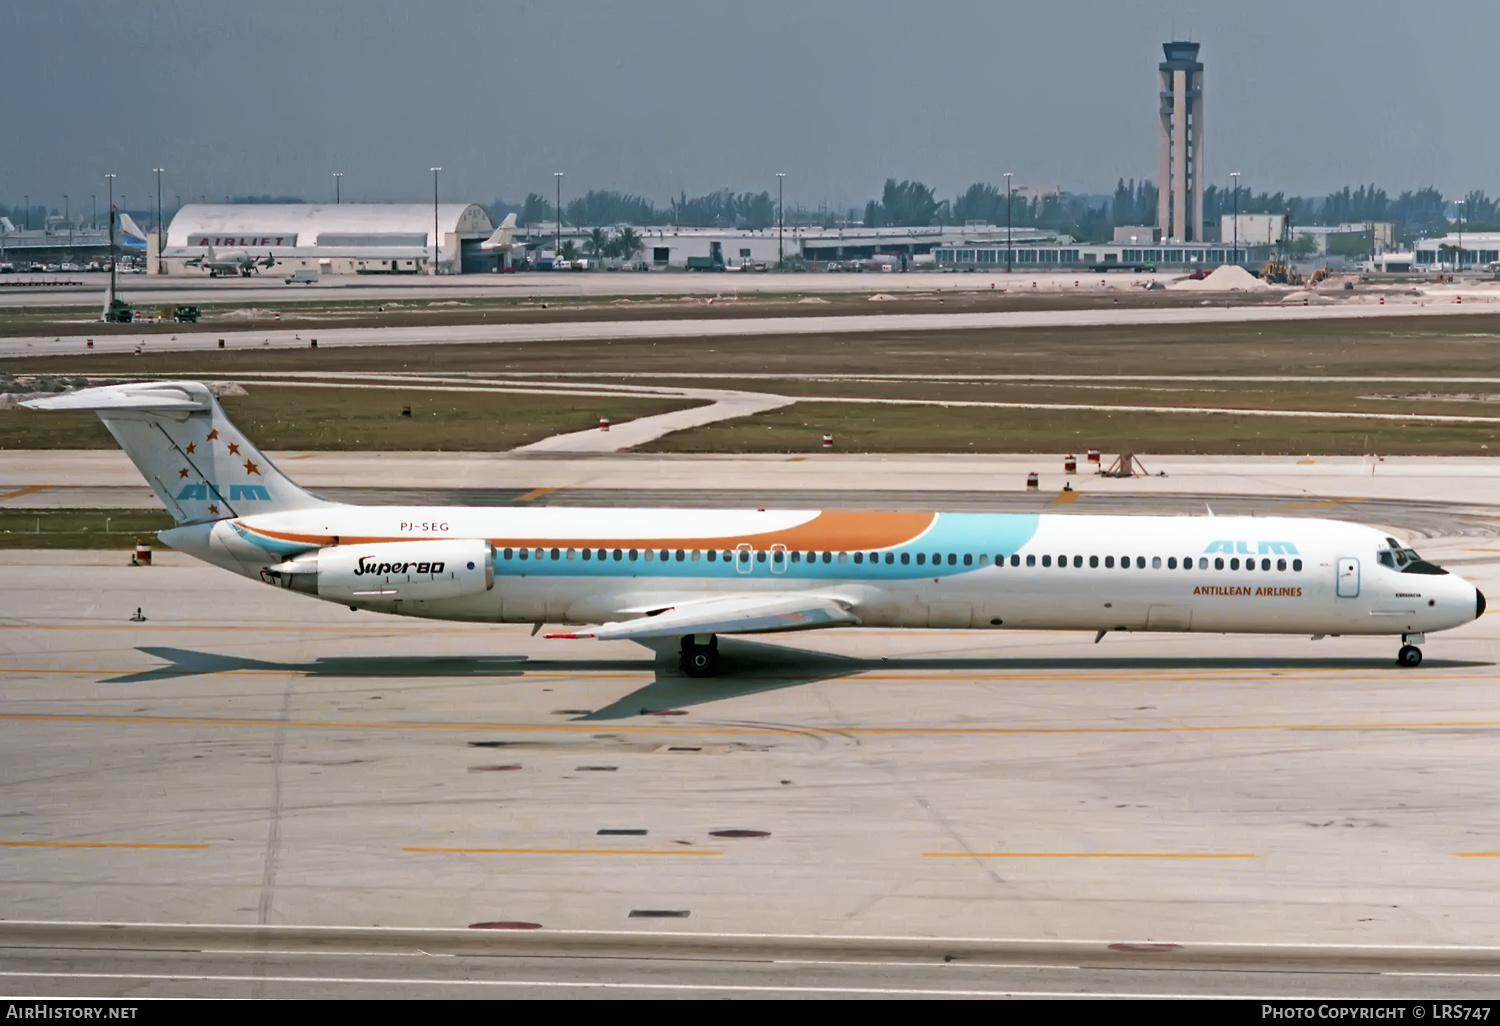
<point x="118" y="312"/>
<point x="1279" y="269"/>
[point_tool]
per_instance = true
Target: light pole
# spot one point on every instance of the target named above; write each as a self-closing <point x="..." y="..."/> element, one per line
<point x="158" y="171"/>
<point x="1458" y="259"/>
<point x="94" y="208"/>
<point x="111" y="179"/>
<point x="557" y="176"/>
<point x="68" y="220"/>
<point x="780" y="220"/>
<point x="336" y="197"/>
<point x="435" y="251"/>
<point x="1236" y="176"/>
<point x="27" y="198"/>
<point x="1010" y="249"/>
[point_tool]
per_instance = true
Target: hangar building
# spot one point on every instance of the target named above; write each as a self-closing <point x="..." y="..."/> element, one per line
<point x="345" y="238"/>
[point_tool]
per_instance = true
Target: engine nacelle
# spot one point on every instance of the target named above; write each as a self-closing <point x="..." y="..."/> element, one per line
<point x="392" y="571"/>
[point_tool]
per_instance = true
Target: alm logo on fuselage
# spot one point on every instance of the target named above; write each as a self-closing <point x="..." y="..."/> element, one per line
<point x="237" y="493"/>
<point x="1265" y="548"/>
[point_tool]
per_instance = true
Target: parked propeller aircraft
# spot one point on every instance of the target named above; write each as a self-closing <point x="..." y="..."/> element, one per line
<point x="230" y="261"/>
<point x="695" y="574"/>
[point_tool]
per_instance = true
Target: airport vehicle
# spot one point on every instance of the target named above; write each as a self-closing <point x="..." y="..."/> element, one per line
<point x="302" y="277"/>
<point x="713" y="262"/>
<point x="686" y="576"/>
<point x="230" y="261"/>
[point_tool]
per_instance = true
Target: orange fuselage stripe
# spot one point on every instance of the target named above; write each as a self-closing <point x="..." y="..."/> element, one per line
<point x="842" y="531"/>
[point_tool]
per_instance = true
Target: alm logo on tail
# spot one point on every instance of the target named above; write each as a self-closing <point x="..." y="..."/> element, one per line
<point x="237" y="493"/>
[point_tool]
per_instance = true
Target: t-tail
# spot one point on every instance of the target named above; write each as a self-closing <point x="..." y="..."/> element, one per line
<point x="502" y="236"/>
<point x="198" y="464"/>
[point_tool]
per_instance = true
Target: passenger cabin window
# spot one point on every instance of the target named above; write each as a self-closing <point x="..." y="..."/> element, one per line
<point x="1109" y="562"/>
<point x="1156" y="562"/>
<point x="1015" y="559"/>
<point x="1031" y="561"/>
<point x="1046" y="561"/>
<point x="1093" y="561"/>
<point x="1296" y="564"/>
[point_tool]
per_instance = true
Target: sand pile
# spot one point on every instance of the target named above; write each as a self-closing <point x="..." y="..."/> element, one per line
<point x="1228" y="278"/>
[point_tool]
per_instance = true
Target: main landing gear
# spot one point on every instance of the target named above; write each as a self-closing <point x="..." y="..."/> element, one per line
<point x="1410" y="654"/>
<point x="700" y="660"/>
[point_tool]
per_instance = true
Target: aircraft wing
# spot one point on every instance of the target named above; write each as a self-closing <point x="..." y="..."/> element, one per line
<point x="745" y="614"/>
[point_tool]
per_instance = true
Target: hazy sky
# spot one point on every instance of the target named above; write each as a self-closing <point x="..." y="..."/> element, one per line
<point x="657" y="96"/>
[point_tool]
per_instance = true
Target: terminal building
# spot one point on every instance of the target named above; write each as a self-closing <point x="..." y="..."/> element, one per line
<point x="1470" y="251"/>
<point x="346" y="238"/>
<point x="1064" y="254"/>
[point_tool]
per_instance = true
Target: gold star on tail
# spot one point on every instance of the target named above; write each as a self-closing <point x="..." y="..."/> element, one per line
<point x="251" y="468"/>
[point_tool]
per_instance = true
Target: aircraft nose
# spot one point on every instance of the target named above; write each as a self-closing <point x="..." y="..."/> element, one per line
<point x="1478" y="603"/>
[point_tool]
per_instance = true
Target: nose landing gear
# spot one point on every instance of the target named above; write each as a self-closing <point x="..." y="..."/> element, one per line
<point x="702" y="660"/>
<point x="1410" y="654"/>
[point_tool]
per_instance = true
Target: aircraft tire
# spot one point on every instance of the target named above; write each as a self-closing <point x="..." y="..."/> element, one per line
<point x="700" y="661"/>
<point x="1410" y="655"/>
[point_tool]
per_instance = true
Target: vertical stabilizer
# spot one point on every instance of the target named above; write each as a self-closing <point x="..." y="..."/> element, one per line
<point x="198" y="464"/>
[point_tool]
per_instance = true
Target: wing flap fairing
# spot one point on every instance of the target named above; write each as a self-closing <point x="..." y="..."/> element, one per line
<point x="737" y="615"/>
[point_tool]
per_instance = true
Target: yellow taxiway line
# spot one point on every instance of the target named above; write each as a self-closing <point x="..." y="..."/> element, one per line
<point x="534" y="494"/>
<point x="595" y="725"/>
<point x="31" y="490"/>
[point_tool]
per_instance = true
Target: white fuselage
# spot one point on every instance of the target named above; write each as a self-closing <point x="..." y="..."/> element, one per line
<point x="921" y="570"/>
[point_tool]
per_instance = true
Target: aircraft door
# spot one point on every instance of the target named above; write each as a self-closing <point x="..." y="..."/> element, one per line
<point x="1348" y="578"/>
<point x="778" y="559"/>
<point x="744" y="558"/>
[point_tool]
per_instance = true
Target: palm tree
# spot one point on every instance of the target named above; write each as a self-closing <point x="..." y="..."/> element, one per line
<point x="597" y="242"/>
<point x="569" y="251"/>
<point x="628" y="244"/>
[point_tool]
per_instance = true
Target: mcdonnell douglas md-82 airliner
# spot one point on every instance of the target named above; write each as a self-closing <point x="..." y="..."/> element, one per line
<point x="695" y="574"/>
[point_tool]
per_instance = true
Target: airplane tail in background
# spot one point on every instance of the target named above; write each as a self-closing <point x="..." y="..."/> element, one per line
<point x="194" y="459"/>
<point x="501" y="238"/>
<point x="131" y="236"/>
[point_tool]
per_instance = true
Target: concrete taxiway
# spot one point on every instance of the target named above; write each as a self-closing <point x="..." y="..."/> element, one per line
<point x="86" y="290"/>
<point x="245" y="757"/>
<point x="106" y="478"/>
<point x="1209" y="313"/>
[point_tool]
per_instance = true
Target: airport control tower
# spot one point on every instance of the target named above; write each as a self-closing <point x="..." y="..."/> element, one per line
<point x="1179" y="205"/>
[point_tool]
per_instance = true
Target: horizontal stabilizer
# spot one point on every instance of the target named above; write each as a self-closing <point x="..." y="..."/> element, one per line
<point x="152" y="396"/>
<point x="750" y="614"/>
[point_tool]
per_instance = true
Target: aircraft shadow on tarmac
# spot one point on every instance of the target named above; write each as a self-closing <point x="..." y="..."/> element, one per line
<point x="750" y="667"/>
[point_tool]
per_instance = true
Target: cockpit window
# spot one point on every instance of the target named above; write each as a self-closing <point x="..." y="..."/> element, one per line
<point x="1407" y="561"/>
